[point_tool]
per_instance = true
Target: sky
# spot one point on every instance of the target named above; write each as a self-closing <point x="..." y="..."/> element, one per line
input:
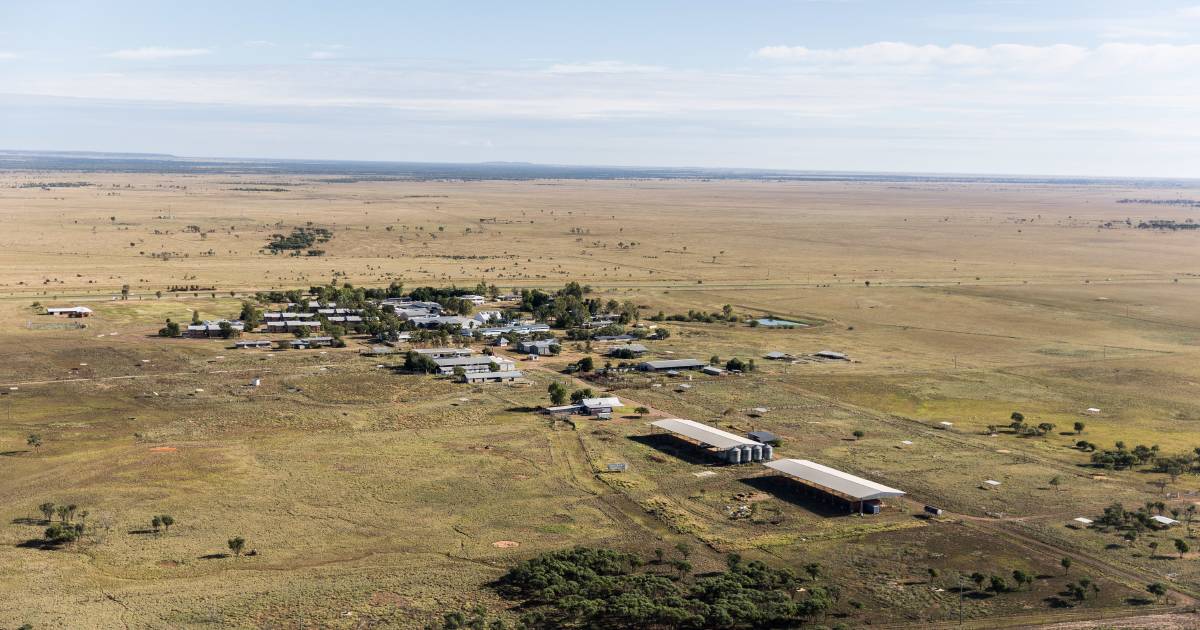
<point x="1088" y="87"/>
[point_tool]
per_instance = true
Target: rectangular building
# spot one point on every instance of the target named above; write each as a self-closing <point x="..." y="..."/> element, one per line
<point x="671" y="364"/>
<point x="861" y="495"/>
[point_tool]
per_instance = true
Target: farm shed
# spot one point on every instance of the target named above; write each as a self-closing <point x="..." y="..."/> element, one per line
<point x="291" y="325"/>
<point x="212" y="328"/>
<point x="671" y="364"/>
<point x="629" y="348"/>
<point x="831" y="355"/>
<point x="1163" y="521"/>
<point x="70" y="311"/>
<point x="492" y="377"/>
<point x="254" y="343"/>
<point x="778" y="356"/>
<point x="310" y="342"/>
<point x="625" y="337"/>
<point x="541" y="347"/>
<point x="282" y="315"/>
<point x="762" y="436"/>
<point x="480" y="363"/>
<point x="440" y="353"/>
<point x="734" y="449"/>
<point x="597" y="406"/>
<point x="857" y="493"/>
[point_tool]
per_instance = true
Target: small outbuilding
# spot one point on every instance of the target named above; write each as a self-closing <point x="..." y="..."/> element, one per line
<point x="599" y="406"/>
<point x="764" y="437"/>
<point x="1163" y="522"/>
<point x="70" y="311"/>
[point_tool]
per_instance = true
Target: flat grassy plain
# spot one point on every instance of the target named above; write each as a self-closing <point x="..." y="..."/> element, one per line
<point x="375" y="499"/>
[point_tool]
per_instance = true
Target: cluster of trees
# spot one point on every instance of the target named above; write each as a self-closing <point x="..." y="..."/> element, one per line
<point x="163" y="521"/>
<point x="346" y="295"/>
<point x="251" y="316"/>
<point x="737" y="365"/>
<point x="300" y="238"/>
<point x="419" y="363"/>
<point x="586" y="587"/>
<point x="559" y="394"/>
<point x="1133" y="523"/>
<point x="171" y="329"/>
<point x="1121" y="457"/>
<point x="726" y="315"/>
<point x="67" y="529"/>
<point x="1020" y="427"/>
<point x="569" y="308"/>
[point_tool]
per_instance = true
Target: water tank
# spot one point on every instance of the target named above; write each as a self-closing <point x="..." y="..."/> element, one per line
<point x="768" y="452"/>
<point x="758" y="454"/>
<point x="734" y="455"/>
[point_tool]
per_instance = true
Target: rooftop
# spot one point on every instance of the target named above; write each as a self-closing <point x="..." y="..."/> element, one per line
<point x="666" y="364"/>
<point x="703" y="433"/>
<point x="610" y="401"/>
<point x="841" y="483"/>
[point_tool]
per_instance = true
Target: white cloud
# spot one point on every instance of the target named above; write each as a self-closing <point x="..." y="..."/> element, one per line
<point x="152" y="53"/>
<point x="328" y="51"/>
<point x="6" y="55"/>
<point x="1191" y="13"/>
<point x="1001" y="57"/>
<point x="602" y="67"/>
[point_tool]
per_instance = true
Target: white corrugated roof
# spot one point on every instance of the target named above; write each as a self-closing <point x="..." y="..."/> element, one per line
<point x="611" y="401"/>
<point x="703" y="433"/>
<point x="841" y="482"/>
<point x="480" y="376"/>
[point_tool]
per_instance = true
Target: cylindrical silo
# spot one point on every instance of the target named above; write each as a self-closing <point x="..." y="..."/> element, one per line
<point x="768" y="452"/>
<point x="734" y="455"/>
<point x="757" y="453"/>
<point x="747" y="453"/>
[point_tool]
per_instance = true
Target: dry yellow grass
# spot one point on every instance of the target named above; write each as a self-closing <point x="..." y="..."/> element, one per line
<point x="377" y="498"/>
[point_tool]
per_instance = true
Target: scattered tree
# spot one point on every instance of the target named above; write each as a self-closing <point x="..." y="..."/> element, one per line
<point x="558" y="393"/>
<point x="236" y="544"/>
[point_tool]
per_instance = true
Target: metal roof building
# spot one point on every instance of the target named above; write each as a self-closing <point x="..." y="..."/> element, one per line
<point x="474" y="363"/>
<point x="730" y="447"/>
<point x="497" y="377"/>
<point x="850" y="488"/>
<point x="671" y="364"/>
<point x="438" y="353"/>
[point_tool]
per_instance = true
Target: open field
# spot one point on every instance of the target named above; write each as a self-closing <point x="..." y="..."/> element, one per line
<point x="376" y="499"/>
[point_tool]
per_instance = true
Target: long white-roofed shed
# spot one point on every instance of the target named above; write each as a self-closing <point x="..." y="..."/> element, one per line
<point x="730" y="447"/>
<point x="858" y="492"/>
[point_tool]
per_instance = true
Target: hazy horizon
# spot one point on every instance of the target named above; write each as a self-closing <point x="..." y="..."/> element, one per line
<point x="1094" y="89"/>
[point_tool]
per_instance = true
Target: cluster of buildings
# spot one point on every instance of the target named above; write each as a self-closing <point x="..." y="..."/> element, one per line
<point x="471" y="367"/>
